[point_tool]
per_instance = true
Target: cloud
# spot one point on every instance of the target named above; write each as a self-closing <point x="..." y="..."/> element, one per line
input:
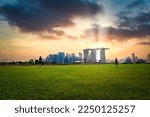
<point x="143" y="18"/>
<point x="44" y="15"/>
<point x="144" y="43"/>
<point x="125" y="34"/>
<point x="93" y="32"/>
<point x="55" y="35"/>
<point x="135" y="4"/>
<point x="135" y="14"/>
<point x="132" y="22"/>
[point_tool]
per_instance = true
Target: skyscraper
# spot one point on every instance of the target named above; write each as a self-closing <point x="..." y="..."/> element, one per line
<point x="80" y="56"/>
<point x="133" y="58"/>
<point x="50" y="58"/>
<point x="61" y="58"/>
<point x="102" y="56"/>
<point x="55" y="58"/>
<point x="67" y="58"/>
<point x="73" y="57"/>
<point x="93" y="55"/>
<point x="86" y="54"/>
<point x="148" y="57"/>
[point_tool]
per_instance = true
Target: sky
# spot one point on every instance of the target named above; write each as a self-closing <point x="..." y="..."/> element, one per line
<point x="33" y="28"/>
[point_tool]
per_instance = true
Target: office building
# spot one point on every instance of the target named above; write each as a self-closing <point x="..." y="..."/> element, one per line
<point x="61" y="58"/>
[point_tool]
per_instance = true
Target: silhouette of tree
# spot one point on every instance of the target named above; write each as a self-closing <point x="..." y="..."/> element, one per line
<point x="36" y="61"/>
<point x="31" y="61"/>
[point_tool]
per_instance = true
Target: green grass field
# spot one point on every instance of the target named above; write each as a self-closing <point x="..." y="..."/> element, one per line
<point x="75" y="82"/>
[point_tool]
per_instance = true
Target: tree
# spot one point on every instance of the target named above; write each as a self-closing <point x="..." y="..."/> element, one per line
<point x="31" y="61"/>
<point x="36" y="61"/>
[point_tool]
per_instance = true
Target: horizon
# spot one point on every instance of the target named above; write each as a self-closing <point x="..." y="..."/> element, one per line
<point x="76" y="55"/>
<point x="39" y="28"/>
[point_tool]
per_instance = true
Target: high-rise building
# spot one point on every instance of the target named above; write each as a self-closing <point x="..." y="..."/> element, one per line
<point x="93" y="55"/>
<point x="102" y="55"/>
<point x="73" y="57"/>
<point x="50" y="58"/>
<point x="89" y="56"/>
<point x="55" y="58"/>
<point x="67" y="58"/>
<point x="70" y="59"/>
<point x="61" y="57"/>
<point x="148" y="57"/>
<point x="133" y="58"/>
<point x="80" y="56"/>
<point x="86" y="54"/>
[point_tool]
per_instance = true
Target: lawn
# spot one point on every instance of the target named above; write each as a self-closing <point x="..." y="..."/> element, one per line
<point x="75" y="82"/>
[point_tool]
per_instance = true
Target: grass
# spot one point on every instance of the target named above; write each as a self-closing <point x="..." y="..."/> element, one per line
<point x="75" y="82"/>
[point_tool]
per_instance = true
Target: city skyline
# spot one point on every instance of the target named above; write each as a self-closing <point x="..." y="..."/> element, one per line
<point x="90" y="56"/>
<point x="29" y="29"/>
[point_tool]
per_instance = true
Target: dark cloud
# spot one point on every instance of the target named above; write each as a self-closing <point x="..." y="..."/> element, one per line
<point x="144" y="43"/>
<point x="113" y="33"/>
<point x="71" y="37"/>
<point x="130" y="23"/>
<point x="143" y="18"/>
<point x="132" y="17"/>
<point x="48" y="36"/>
<point x="55" y="35"/>
<point x="125" y="34"/>
<point x="133" y="22"/>
<point x="138" y="3"/>
<point x="44" y="15"/>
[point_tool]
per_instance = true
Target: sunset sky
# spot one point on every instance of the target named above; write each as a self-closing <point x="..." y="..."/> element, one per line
<point x="33" y="28"/>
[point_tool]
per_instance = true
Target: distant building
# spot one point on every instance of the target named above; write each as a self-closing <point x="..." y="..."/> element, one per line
<point x="61" y="58"/>
<point x="93" y="56"/>
<point x="148" y="58"/>
<point x="86" y="55"/>
<point x="102" y="56"/>
<point x="133" y="58"/>
<point x="55" y="58"/>
<point x="50" y="58"/>
<point x="140" y="61"/>
<point x="73" y="57"/>
<point x="67" y="58"/>
<point x="126" y="60"/>
<point x="70" y="59"/>
<point x="80" y="56"/>
<point x="90" y="55"/>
